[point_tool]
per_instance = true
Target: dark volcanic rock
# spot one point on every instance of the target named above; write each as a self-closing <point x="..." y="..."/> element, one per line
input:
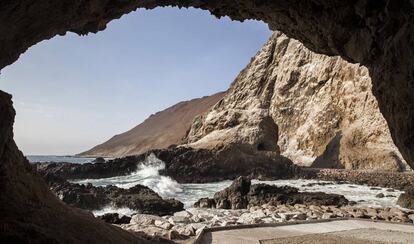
<point x="241" y="194"/>
<point x="234" y="196"/>
<point x="406" y="200"/>
<point x="113" y="218"/>
<point x="95" y="170"/>
<point x="184" y="164"/>
<point x="140" y="198"/>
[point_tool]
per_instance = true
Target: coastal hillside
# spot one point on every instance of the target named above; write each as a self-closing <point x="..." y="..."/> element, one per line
<point x="323" y="107"/>
<point x="160" y="130"/>
<point x="316" y="110"/>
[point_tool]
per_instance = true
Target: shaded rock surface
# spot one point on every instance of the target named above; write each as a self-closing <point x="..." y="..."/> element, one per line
<point x="241" y="194"/>
<point x="406" y="200"/>
<point x="30" y="212"/>
<point x="114" y="218"/>
<point x="314" y="109"/>
<point x="184" y="165"/>
<point x="139" y="198"/>
<point x="160" y="130"/>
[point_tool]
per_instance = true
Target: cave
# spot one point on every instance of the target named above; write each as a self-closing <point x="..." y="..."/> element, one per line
<point x="378" y="34"/>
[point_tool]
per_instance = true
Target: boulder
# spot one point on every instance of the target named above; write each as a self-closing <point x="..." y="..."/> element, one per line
<point x="406" y="200"/>
<point x="205" y="202"/>
<point x="114" y="218"/>
<point x="145" y="219"/>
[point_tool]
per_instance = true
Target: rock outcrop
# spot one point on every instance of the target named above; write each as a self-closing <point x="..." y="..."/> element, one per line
<point x="406" y="200"/>
<point x="184" y="164"/>
<point x="242" y="194"/>
<point x="317" y="110"/>
<point x="139" y="198"/>
<point x="160" y="130"/>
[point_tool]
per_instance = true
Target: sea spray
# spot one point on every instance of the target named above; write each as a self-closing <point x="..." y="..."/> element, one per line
<point x="147" y="174"/>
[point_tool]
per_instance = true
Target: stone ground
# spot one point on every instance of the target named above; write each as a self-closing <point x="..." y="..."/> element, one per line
<point x="337" y="231"/>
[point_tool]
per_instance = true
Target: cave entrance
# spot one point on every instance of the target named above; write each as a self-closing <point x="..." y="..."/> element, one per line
<point x="86" y="89"/>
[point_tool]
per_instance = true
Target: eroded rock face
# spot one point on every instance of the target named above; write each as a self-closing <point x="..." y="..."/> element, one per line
<point x="325" y="112"/>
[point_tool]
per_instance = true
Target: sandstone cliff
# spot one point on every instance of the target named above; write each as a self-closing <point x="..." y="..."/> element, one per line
<point x="317" y="110"/>
<point x="158" y="131"/>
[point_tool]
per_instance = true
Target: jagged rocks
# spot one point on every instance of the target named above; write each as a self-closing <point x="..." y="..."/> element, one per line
<point x="114" y="218"/>
<point x="241" y="194"/>
<point x="139" y="198"/>
<point x="184" y="164"/>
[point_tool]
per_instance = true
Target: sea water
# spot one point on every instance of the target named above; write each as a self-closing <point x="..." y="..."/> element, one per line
<point x="55" y="158"/>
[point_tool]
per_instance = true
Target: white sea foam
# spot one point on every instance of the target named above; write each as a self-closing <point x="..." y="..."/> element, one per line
<point x="147" y="175"/>
<point x="109" y="209"/>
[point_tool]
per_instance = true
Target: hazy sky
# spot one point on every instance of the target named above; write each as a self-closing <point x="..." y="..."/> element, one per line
<point x="73" y="92"/>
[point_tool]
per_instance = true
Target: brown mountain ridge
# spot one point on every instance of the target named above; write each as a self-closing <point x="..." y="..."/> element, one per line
<point x="159" y="130"/>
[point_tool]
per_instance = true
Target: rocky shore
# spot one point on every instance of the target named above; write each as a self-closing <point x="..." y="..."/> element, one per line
<point x="184" y="164"/>
<point x="244" y="203"/>
<point x="242" y="194"/>
<point x="241" y="203"/>
<point x="189" y="223"/>
<point x="139" y="198"/>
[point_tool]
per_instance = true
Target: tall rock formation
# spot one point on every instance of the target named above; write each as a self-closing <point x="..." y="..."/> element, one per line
<point x="317" y="110"/>
<point x="160" y="130"/>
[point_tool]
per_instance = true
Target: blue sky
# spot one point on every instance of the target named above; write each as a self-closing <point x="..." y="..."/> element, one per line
<point x="73" y="92"/>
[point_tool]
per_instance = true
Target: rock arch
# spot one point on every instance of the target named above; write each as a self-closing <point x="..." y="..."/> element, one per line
<point x="376" y="33"/>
